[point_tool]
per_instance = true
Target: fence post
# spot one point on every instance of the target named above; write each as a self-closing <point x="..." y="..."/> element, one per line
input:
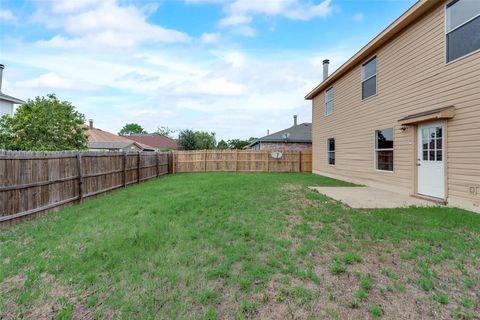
<point x="299" y="161"/>
<point x="124" y="169"/>
<point x="138" y="167"/>
<point x="268" y="166"/>
<point x="173" y="161"/>
<point x="156" y="161"/>
<point x="236" y="160"/>
<point x="205" y="161"/>
<point x="80" y="176"/>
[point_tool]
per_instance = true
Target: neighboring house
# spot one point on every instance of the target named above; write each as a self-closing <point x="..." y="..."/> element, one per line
<point x="99" y="140"/>
<point x="296" y="138"/>
<point x="7" y="103"/>
<point x="404" y="112"/>
<point x="159" y="142"/>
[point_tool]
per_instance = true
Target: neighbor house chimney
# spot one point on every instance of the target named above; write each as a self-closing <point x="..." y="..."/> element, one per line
<point x="295" y="120"/>
<point x="326" y="62"/>
<point x="1" y="76"/>
<point x="268" y="132"/>
<point x="90" y="123"/>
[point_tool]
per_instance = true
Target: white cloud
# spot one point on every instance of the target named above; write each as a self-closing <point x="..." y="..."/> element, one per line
<point x="234" y="20"/>
<point x="62" y="6"/>
<point x="239" y="13"/>
<point x="358" y="17"/>
<point x="208" y="38"/>
<point x="245" y="31"/>
<point x="102" y="24"/>
<point x="292" y="9"/>
<point x="205" y="1"/>
<point x="7" y="15"/>
<point x="52" y="81"/>
<point x="209" y="86"/>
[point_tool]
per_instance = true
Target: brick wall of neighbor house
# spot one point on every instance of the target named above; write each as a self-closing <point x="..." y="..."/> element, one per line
<point x="290" y="146"/>
<point x="412" y="77"/>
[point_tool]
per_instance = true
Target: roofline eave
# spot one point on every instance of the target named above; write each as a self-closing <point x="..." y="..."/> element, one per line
<point x="406" y="19"/>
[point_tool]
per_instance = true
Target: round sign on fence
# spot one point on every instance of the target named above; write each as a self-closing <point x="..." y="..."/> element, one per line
<point x="277" y="155"/>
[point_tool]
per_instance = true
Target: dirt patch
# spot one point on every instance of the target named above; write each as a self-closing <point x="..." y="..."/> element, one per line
<point x="54" y="298"/>
<point x="396" y="284"/>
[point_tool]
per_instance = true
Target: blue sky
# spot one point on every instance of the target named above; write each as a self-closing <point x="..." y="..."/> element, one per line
<point x="234" y="67"/>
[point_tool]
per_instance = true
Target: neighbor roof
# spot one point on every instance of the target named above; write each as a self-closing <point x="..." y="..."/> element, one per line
<point x="406" y="19"/>
<point x="112" y="145"/>
<point x="298" y="133"/>
<point x="155" y="140"/>
<point x="99" y="139"/>
<point x="8" y="98"/>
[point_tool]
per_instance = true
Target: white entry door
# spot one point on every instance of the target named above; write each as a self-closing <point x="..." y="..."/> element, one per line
<point x="431" y="160"/>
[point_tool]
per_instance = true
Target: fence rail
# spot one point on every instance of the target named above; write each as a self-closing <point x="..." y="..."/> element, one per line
<point x="241" y="160"/>
<point x="33" y="182"/>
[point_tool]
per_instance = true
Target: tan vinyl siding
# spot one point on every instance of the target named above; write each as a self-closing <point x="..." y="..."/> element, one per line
<point x="412" y="76"/>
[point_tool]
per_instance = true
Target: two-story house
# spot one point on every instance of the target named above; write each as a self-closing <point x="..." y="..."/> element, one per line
<point x="403" y="113"/>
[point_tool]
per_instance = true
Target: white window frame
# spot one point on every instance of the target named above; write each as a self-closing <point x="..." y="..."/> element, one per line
<point x="375" y="150"/>
<point x="449" y="4"/>
<point x="373" y="75"/>
<point x="327" y="101"/>
<point x="334" y="152"/>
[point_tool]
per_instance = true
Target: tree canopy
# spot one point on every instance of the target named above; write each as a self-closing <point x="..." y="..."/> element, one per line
<point x="239" y="144"/>
<point x="196" y="140"/>
<point x="222" y="144"/>
<point x="132" y="128"/>
<point x="165" y="131"/>
<point x="44" y="124"/>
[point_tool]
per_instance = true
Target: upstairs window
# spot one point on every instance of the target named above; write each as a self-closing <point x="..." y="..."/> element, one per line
<point x="369" y="78"/>
<point x="463" y="28"/>
<point x="329" y="101"/>
<point x="384" y="149"/>
<point x="331" y="151"/>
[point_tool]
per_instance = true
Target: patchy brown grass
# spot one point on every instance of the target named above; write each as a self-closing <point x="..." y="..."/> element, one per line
<point x="233" y="246"/>
<point x="53" y="299"/>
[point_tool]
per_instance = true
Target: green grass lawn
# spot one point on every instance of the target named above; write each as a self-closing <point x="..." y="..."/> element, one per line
<point x="235" y="246"/>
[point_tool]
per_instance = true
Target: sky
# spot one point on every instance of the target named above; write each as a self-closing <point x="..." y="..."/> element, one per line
<point x="233" y="67"/>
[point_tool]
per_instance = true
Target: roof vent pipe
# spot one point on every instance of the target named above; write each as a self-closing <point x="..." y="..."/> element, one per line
<point x="1" y="76"/>
<point x="90" y="123"/>
<point x="326" y="62"/>
<point x="295" y="120"/>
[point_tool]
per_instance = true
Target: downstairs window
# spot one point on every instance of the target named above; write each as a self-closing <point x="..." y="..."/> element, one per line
<point x="384" y="149"/>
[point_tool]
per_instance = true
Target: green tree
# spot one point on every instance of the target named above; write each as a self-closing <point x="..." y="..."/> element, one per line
<point x="44" y="124"/>
<point x="196" y="140"/>
<point x="205" y="140"/>
<point x="239" y="144"/>
<point x="131" y="128"/>
<point x="165" y="131"/>
<point x="222" y="144"/>
<point x="187" y="140"/>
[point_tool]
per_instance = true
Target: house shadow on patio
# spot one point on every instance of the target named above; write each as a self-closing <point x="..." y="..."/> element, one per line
<point x="372" y="198"/>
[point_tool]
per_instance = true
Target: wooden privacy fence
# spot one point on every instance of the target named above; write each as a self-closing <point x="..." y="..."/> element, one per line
<point x="32" y="182"/>
<point x="241" y="160"/>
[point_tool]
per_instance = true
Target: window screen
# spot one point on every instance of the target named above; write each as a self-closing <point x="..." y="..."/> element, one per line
<point x="384" y="149"/>
<point x="369" y="78"/>
<point x="463" y="28"/>
<point x="331" y="151"/>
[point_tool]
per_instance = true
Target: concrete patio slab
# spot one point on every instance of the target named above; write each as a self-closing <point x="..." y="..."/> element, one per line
<point x="370" y="198"/>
